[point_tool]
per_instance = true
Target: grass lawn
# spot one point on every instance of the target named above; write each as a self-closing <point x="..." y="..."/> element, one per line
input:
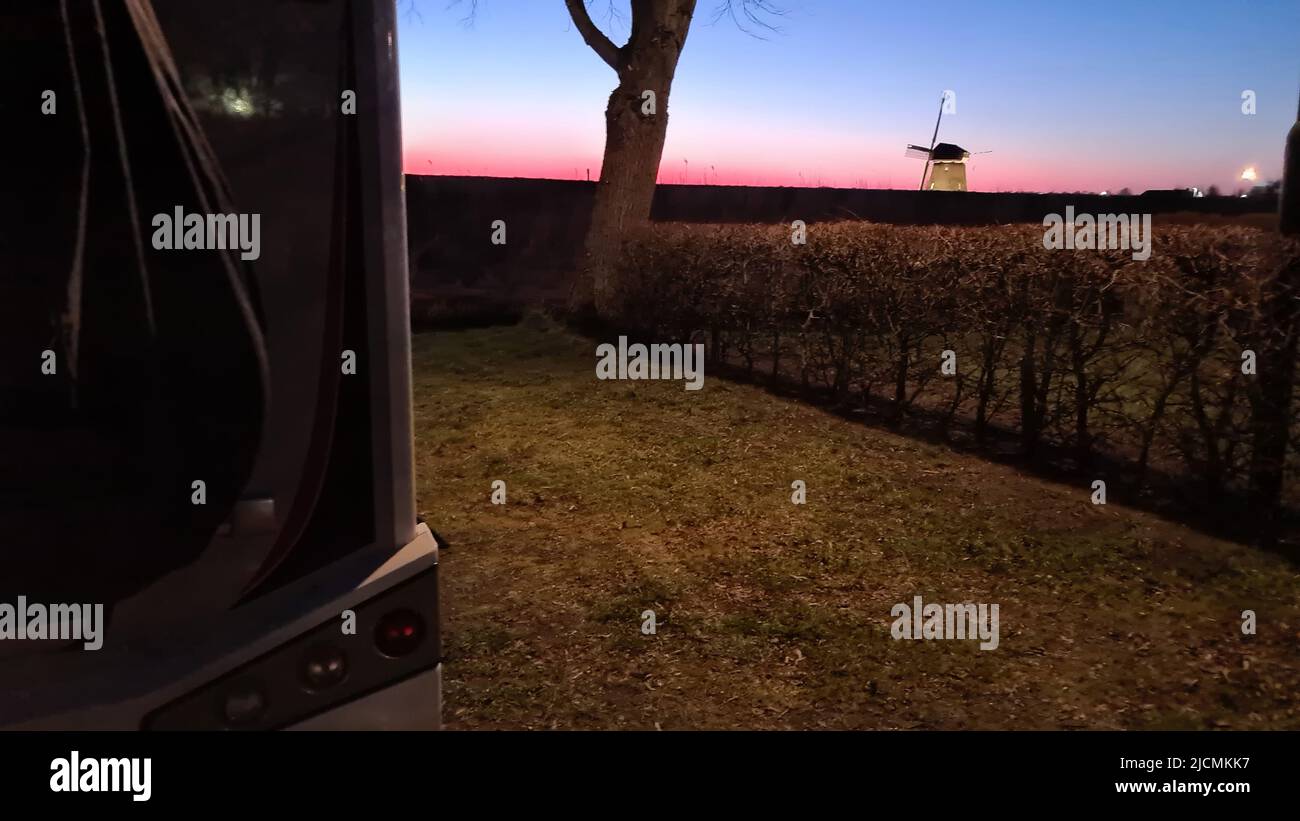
<point x="628" y="496"/>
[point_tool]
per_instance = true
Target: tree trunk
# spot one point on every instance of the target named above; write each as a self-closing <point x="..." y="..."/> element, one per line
<point x="1271" y="420"/>
<point x="635" y="127"/>
<point x="986" y="385"/>
<point x="1271" y="416"/>
<point x="1153" y="425"/>
<point x="900" y="381"/>
<point x="1028" y="392"/>
<point x="1082" y="399"/>
<point x="946" y="425"/>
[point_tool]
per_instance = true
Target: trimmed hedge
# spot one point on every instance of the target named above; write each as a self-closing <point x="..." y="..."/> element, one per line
<point x="1089" y="350"/>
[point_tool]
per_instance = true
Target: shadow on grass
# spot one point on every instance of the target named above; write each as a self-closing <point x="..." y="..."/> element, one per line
<point x="1179" y="498"/>
<point x="1175" y="497"/>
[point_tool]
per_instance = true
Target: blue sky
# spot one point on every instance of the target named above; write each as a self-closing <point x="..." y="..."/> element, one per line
<point x="1066" y="97"/>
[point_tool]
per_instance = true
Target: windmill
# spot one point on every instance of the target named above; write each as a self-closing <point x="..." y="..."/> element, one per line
<point x="945" y="163"/>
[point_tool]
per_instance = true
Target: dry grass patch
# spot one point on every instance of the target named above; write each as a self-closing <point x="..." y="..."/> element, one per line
<point x="628" y="496"/>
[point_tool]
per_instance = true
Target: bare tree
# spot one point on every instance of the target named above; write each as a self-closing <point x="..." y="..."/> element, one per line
<point x="636" y="124"/>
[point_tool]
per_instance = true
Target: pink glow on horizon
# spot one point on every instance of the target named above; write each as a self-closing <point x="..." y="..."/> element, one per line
<point x="985" y="173"/>
<point x="805" y="157"/>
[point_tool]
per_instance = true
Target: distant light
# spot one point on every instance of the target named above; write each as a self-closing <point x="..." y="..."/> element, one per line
<point x="1105" y="193"/>
<point x="1249" y="174"/>
<point x="237" y="102"/>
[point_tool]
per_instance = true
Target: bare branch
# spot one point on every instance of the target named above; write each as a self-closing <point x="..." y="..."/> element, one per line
<point x="412" y="12"/>
<point x="750" y="14"/>
<point x="613" y="18"/>
<point x="470" y="16"/>
<point x="593" y="36"/>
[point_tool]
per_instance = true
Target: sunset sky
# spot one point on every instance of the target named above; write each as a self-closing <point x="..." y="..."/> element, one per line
<point x="1066" y="96"/>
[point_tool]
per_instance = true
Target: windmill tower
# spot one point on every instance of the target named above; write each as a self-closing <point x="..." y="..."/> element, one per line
<point x="945" y="163"/>
<point x="946" y="168"/>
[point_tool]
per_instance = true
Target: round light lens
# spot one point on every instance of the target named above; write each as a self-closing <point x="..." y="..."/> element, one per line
<point x="399" y="633"/>
<point x="323" y="667"/>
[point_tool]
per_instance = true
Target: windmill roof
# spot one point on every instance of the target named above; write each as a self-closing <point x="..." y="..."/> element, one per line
<point x="948" y="151"/>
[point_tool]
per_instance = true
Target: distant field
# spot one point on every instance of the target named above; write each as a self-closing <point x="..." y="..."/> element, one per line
<point x="627" y="496"/>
